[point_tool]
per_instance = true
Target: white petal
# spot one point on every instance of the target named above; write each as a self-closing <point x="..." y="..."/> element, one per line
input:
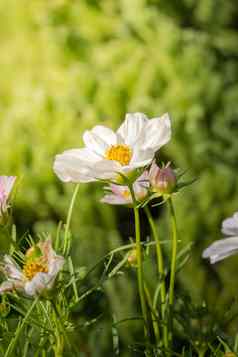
<point x="38" y="284"/>
<point x="106" y="169"/>
<point x="47" y="249"/>
<point x="132" y="127"/>
<point x="55" y="265"/>
<point x="221" y="249"/>
<point x="156" y="133"/>
<point x="230" y="225"/>
<point x="55" y="262"/>
<point x="10" y="285"/>
<point x="11" y="269"/>
<point x="74" y="165"/>
<point x="99" y="139"/>
<point x="141" y="158"/>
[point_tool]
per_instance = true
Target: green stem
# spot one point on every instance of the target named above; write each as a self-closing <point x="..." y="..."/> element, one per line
<point x="13" y="342"/>
<point x="60" y="332"/>
<point x="160" y="265"/>
<point x="140" y="277"/>
<point x="71" y="269"/>
<point x="68" y="221"/>
<point x="154" y="315"/>
<point x="173" y="260"/>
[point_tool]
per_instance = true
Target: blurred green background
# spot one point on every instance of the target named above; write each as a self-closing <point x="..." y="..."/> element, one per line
<point x="67" y="65"/>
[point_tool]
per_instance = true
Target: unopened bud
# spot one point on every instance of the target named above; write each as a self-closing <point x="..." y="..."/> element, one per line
<point x="132" y="258"/>
<point x="163" y="180"/>
<point x="230" y="354"/>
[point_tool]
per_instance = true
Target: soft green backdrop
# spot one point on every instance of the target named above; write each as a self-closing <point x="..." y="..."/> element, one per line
<point x="68" y="65"/>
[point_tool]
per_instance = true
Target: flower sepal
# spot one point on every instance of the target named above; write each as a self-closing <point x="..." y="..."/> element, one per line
<point x="33" y="254"/>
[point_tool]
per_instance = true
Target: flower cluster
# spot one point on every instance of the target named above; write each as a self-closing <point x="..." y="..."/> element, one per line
<point x="126" y="162"/>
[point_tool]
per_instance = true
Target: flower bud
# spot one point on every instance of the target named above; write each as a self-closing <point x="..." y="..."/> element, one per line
<point x="230" y="354"/>
<point x="132" y="258"/>
<point x="163" y="180"/>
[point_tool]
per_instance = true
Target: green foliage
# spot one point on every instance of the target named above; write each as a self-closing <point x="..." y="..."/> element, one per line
<point x="68" y="65"/>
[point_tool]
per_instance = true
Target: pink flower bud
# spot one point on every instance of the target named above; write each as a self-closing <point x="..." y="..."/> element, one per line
<point x="163" y="180"/>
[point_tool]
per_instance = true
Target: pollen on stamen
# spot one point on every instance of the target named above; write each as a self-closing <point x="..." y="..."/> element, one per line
<point x="120" y="153"/>
<point x="30" y="269"/>
<point x="126" y="194"/>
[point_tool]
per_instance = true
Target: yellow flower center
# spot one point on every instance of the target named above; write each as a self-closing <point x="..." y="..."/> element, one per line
<point x="30" y="269"/>
<point x="121" y="153"/>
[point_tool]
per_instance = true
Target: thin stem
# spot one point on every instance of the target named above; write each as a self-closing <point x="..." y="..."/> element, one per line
<point x="60" y="332"/>
<point x="154" y="315"/>
<point x="71" y="269"/>
<point x="68" y="221"/>
<point x="160" y="265"/>
<point x="173" y="259"/>
<point x="13" y="342"/>
<point x="140" y="277"/>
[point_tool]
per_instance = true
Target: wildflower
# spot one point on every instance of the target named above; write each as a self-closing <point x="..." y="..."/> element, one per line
<point x="107" y="153"/>
<point x="163" y="180"/>
<point x="121" y="195"/>
<point x="224" y="248"/>
<point x="6" y="185"/>
<point x="38" y="274"/>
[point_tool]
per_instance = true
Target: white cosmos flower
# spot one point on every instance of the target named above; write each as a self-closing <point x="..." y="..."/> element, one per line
<point x="120" y="195"/>
<point x="38" y="273"/>
<point x="107" y="153"/>
<point x="6" y="185"/>
<point x="224" y="248"/>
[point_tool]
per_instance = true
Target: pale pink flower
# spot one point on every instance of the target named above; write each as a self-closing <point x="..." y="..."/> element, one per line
<point x="120" y="195"/>
<point x="107" y="153"/>
<point x="39" y="271"/>
<point x="6" y="185"/>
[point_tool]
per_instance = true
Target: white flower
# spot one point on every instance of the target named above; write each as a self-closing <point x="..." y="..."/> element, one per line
<point x="6" y="185"/>
<point x="38" y="273"/>
<point x="107" y="153"/>
<point x="120" y="195"/>
<point x="224" y="248"/>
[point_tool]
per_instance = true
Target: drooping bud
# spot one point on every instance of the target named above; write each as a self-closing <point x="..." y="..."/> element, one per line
<point x="163" y="180"/>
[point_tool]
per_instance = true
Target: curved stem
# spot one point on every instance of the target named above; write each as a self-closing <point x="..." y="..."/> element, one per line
<point x="68" y="221"/>
<point x="160" y="265"/>
<point x="139" y="262"/>
<point x="173" y="259"/>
